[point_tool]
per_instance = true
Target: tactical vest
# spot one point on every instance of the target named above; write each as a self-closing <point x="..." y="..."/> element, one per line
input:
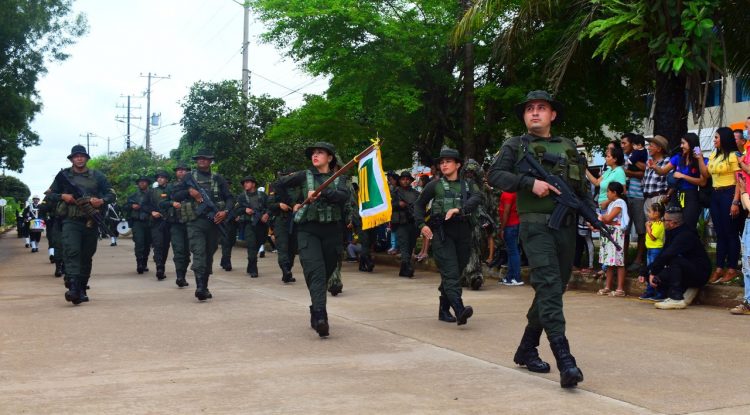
<point x="556" y="160"/>
<point x="256" y="207"/>
<point x="211" y="186"/>
<point x="401" y="215"/>
<point x="320" y="210"/>
<point x="447" y="198"/>
<point x="87" y="182"/>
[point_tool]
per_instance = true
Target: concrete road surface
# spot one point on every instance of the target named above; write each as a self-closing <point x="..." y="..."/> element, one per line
<point x="142" y="346"/>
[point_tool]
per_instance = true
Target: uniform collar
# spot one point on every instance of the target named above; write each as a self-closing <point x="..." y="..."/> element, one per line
<point x="553" y="139"/>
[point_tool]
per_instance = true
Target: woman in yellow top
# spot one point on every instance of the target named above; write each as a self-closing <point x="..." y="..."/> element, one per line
<point x="725" y="204"/>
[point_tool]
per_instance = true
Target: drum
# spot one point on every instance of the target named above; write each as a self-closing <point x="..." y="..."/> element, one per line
<point x="37" y="225"/>
<point x="123" y="228"/>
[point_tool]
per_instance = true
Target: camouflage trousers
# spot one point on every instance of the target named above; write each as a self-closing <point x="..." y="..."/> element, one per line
<point x="473" y="270"/>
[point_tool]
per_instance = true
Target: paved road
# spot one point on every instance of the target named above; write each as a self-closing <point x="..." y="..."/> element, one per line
<point x="143" y="346"/>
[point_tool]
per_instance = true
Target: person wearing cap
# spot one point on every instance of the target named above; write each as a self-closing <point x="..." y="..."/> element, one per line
<point x="202" y="233"/>
<point x="550" y="252"/>
<point x="158" y="226"/>
<point x="250" y="209"/>
<point x="283" y="228"/>
<point x="79" y="237"/>
<point x="453" y="200"/>
<point x="177" y="222"/>
<point x="319" y="225"/>
<point x="402" y="221"/>
<point x="31" y="212"/>
<point x="138" y="214"/>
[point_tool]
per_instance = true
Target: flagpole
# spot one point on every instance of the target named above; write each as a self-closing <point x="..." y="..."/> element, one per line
<point x="346" y="167"/>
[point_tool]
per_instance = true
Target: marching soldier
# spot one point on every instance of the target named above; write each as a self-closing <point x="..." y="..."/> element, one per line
<point x="550" y="252"/>
<point x="79" y="234"/>
<point x="139" y="217"/>
<point x="176" y="219"/>
<point x="203" y="233"/>
<point x="53" y="229"/>
<point x="231" y="224"/>
<point x="453" y="199"/>
<point x="284" y="229"/>
<point x="335" y="285"/>
<point x="30" y="213"/>
<point x="319" y="228"/>
<point x="157" y="223"/>
<point x="402" y="221"/>
<point x="472" y="275"/>
<point x="251" y="210"/>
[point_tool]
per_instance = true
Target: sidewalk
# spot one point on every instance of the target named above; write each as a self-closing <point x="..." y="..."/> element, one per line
<point x="143" y="346"/>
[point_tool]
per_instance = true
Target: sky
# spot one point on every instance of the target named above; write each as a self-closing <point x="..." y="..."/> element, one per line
<point x="187" y="40"/>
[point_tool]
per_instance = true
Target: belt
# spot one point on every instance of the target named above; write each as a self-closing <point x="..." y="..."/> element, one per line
<point x="654" y="194"/>
<point x="544" y="218"/>
<point x="721" y="188"/>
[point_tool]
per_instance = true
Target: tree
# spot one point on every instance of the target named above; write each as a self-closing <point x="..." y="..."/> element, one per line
<point x="124" y="169"/>
<point x="13" y="187"/>
<point x="32" y="34"/>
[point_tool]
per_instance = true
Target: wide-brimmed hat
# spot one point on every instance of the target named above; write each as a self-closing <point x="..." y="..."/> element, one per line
<point x="203" y="153"/>
<point x="544" y="96"/>
<point x="248" y="178"/>
<point x="161" y="173"/>
<point x="406" y="174"/>
<point x="181" y="165"/>
<point x="78" y="149"/>
<point x="660" y="141"/>
<point x="144" y="179"/>
<point x="449" y="153"/>
<point x="328" y="147"/>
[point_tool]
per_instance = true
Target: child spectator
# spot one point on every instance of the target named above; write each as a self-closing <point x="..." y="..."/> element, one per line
<point x="617" y="217"/>
<point x="654" y="244"/>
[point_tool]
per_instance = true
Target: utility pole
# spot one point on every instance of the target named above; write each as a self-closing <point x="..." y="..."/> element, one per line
<point x="88" y="141"/>
<point x="127" y="118"/>
<point x="148" y="106"/>
<point x="245" y="52"/>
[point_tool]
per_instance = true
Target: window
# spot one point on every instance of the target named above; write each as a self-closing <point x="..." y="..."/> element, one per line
<point x="742" y="90"/>
<point x="713" y="97"/>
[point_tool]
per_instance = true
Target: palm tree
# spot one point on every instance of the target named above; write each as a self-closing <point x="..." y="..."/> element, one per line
<point x="677" y="47"/>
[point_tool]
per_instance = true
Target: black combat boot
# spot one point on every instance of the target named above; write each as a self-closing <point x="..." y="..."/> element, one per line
<point x="262" y="254"/>
<point x="406" y="270"/>
<point x="58" y="269"/>
<point x="286" y="275"/>
<point x="444" y="311"/>
<point x="462" y="312"/>
<point x="84" y="286"/>
<point x="570" y="374"/>
<point x="336" y="289"/>
<point x="139" y="267"/>
<point x="320" y="318"/>
<point x="51" y="259"/>
<point x="201" y="293"/>
<point x="362" y="263"/>
<point x="205" y="286"/>
<point x="370" y="263"/>
<point x="160" y="272"/>
<point x="73" y="294"/>
<point x="226" y="263"/>
<point x="252" y="268"/>
<point x="181" y="281"/>
<point x="477" y="282"/>
<point x="312" y="318"/>
<point x="527" y="354"/>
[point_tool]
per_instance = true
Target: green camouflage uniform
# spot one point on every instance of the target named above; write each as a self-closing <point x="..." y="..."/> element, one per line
<point x="286" y="241"/>
<point x="177" y="221"/>
<point x="159" y="228"/>
<point x="139" y="220"/>
<point x="255" y="229"/>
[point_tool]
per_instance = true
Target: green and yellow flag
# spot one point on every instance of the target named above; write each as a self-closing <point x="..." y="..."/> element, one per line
<point x="374" y="194"/>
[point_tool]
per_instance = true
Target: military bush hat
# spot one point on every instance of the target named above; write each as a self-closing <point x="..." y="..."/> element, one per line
<point x="162" y="173"/>
<point x="248" y="178"/>
<point x="328" y="147"/>
<point x="544" y="96"/>
<point x="144" y="179"/>
<point x="449" y="153"/>
<point x="660" y="141"/>
<point x="182" y="166"/>
<point x="78" y="149"/>
<point x="406" y="174"/>
<point x="203" y="153"/>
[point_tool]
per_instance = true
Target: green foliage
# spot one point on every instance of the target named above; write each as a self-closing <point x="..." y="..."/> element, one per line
<point x="32" y="34"/>
<point x="11" y="208"/>
<point x="123" y="169"/>
<point x="13" y="187"/>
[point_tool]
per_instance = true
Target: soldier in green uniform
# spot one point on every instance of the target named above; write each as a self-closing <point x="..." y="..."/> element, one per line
<point x="227" y="243"/>
<point x="175" y="217"/>
<point x="550" y="252"/>
<point x="139" y="219"/>
<point x="453" y="200"/>
<point x="402" y="221"/>
<point x="202" y="233"/>
<point x="54" y="233"/>
<point x="335" y="284"/>
<point x="157" y="222"/>
<point x="79" y="233"/>
<point x="251" y="210"/>
<point x="473" y="275"/>
<point x="319" y="229"/>
<point x="284" y="229"/>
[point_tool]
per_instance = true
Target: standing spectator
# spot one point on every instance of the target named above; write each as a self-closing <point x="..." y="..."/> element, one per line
<point x="725" y="204"/>
<point x="689" y="173"/>
<point x="654" y="245"/>
<point x="655" y="188"/>
<point x="635" y="166"/>
<point x="742" y="179"/>
<point x="613" y="159"/>
<point x="508" y="231"/>
<point x="617" y="217"/>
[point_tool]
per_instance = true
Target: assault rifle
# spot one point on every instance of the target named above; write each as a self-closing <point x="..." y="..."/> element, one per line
<point x="567" y="201"/>
<point x="84" y="203"/>
<point x="206" y="209"/>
